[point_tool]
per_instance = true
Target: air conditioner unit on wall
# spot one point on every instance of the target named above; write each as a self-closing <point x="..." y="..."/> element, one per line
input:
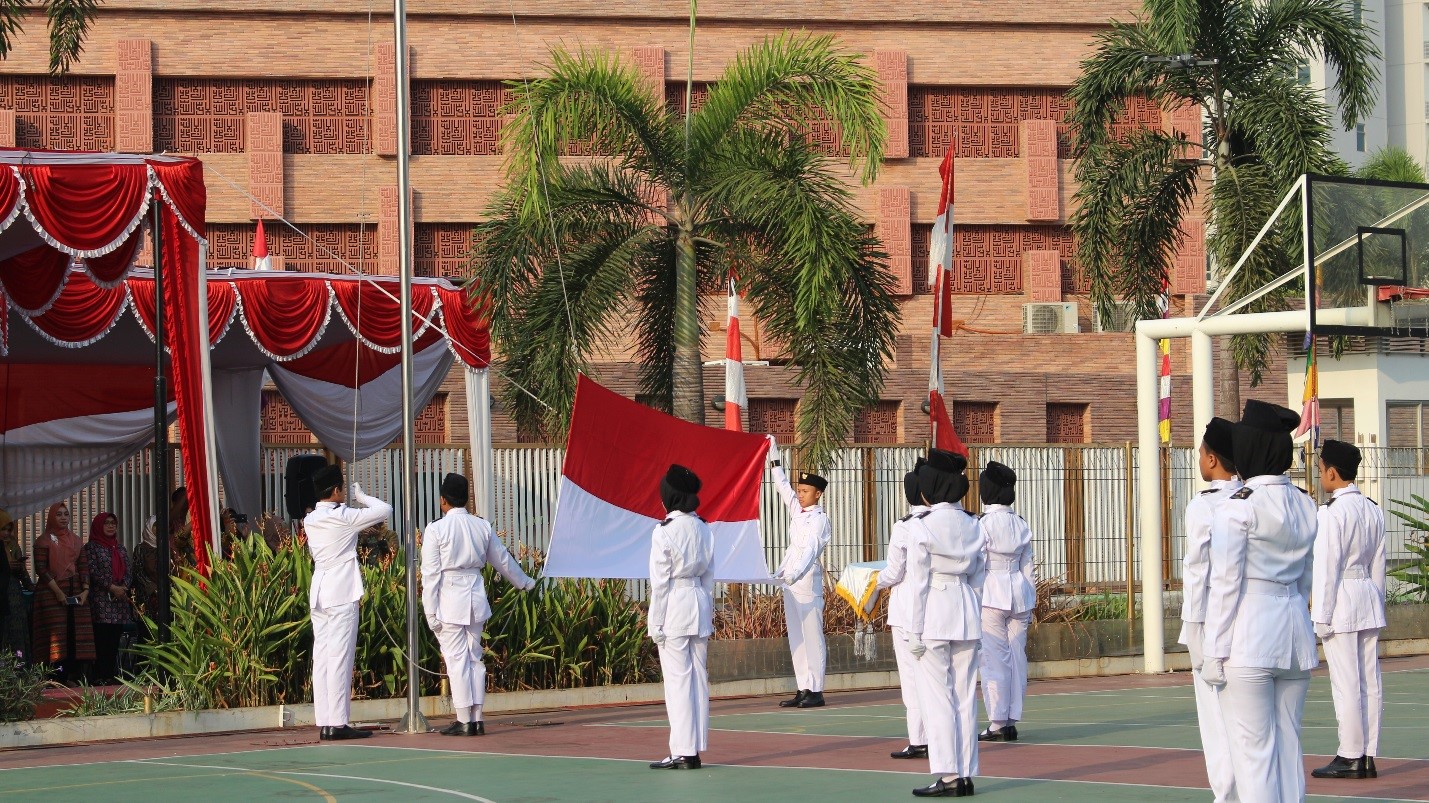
<point x="1123" y="318"/>
<point x="1050" y="318"/>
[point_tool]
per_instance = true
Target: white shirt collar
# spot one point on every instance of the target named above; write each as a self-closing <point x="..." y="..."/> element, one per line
<point x="916" y="509"/>
<point x="991" y="508"/>
<point x="1268" y="479"/>
<point x="1219" y="485"/>
<point x="456" y="511"/>
<point x="675" y="514"/>
<point x="1346" y="491"/>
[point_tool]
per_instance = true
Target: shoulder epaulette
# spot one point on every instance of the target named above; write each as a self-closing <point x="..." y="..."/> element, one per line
<point x="1372" y="502"/>
<point x="663" y="523"/>
<point x="979" y="516"/>
<point x="1209" y="491"/>
<point x="1301" y="490"/>
<point x="1330" y="501"/>
<point x="1243" y="493"/>
<point x="905" y="518"/>
<point x="921" y="515"/>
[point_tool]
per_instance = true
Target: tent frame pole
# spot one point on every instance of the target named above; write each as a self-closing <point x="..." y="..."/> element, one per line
<point x="161" y="427"/>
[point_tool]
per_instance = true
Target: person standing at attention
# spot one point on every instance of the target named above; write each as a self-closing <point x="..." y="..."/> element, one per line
<point x="802" y="577"/>
<point x="899" y="608"/>
<point x="1008" y="597"/>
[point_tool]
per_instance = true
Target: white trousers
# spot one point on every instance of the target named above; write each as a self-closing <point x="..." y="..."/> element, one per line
<point x="1353" y="659"/>
<point x="1215" y="739"/>
<point x="1003" y="664"/>
<point x="687" y="693"/>
<point x="334" y="650"/>
<point x="1262" y="710"/>
<point x="466" y="673"/>
<point x="947" y="692"/>
<point x="805" y="621"/>
<point x="908" y="685"/>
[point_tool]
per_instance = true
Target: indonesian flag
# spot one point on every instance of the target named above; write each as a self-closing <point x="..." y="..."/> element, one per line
<point x="1310" y="409"/>
<point x="609" y="501"/>
<point x="940" y="271"/>
<point x="261" y="260"/>
<point x="1163" y="347"/>
<point x="735" y="398"/>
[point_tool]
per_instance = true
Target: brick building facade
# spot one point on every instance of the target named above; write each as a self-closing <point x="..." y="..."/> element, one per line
<point x="293" y="103"/>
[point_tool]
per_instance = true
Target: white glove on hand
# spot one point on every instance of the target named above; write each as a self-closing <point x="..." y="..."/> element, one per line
<point x="1213" y="671"/>
<point x="530" y="584"/>
<point x="357" y="490"/>
<point x="1323" y="630"/>
<point x="916" y="646"/>
<point x="435" y="625"/>
<point x="773" y="448"/>
<point x="658" y="637"/>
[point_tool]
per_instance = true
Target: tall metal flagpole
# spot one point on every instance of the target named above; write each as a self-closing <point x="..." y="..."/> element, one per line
<point x="412" y="721"/>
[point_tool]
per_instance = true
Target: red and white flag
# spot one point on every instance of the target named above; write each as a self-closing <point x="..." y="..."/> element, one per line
<point x="940" y="274"/>
<point x="735" y="398"/>
<point x="609" y="501"/>
<point x="261" y="260"/>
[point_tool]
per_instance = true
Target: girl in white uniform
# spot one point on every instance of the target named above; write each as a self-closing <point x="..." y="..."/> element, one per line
<point x="1008" y="597"/>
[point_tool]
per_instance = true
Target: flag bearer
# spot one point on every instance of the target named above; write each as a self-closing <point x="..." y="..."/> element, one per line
<point x="682" y="615"/>
<point x="899" y="608"/>
<point x="1349" y="609"/>
<point x="454" y="550"/>
<point x="1259" y="645"/>
<point x="802" y="576"/>
<point x="332" y="530"/>
<point x="1217" y="468"/>
<point x="946" y="569"/>
<point x="1008" y="597"/>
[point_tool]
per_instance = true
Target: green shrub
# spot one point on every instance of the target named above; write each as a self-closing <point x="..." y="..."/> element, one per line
<point x="1414" y="573"/>
<point x="22" y="688"/>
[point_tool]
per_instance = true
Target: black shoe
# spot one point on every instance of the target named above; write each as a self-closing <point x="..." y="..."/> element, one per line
<point x="1342" y="767"/>
<point x="940" y="788"/>
<point x="1007" y="733"/>
<point x="794" y="703"/>
<point x="676" y="763"/>
<point x="814" y="699"/>
<point x="1369" y="770"/>
<point x="966" y="784"/>
<point x="331" y="734"/>
<point x="459" y="728"/>
<point x="911" y="751"/>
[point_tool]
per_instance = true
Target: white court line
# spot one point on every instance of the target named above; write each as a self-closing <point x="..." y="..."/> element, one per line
<point x="250" y="771"/>
<point x="138" y="760"/>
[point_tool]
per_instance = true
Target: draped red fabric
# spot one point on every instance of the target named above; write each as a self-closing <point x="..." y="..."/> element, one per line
<point x="184" y="183"/>
<point x="467" y="325"/>
<point x="285" y="314"/>
<point x="379" y="315"/>
<point x="83" y="312"/>
<point x="86" y="207"/>
<point x="112" y="267"/>
<point x="9" y="192"/>
<point x="222" y="303"/>
<point x="32" y="278"/>
<point x="32" y="393"/>
<point x="334" y="364"/>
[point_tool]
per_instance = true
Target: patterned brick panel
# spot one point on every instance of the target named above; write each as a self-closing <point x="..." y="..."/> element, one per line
<point x="878" y="424"/>
<point x="974" y="421"/>
<point x="7" y="128"/>
<point x="458" y="118"/>
<point x="650" y="61"/>
<point x="984" y="120"/>
<point x="675" y="95"/>
<point x="62" y="114"/>
<point x="1067" y="423"/>
<point x="384" y="99"/>
<point x="210" y="115"/>
<point x="388" y="243"/>
<point x="773" y="416"/>
<point x="134" y="96"/>
<point x="988" y="259"/>
<point x="1044" y="275"/>
<point x="443" y="249"/>
<point x="1185" y="120"/>
<point x="892" y="66"/>
<point x="432" y="425"/>
<point x="1039" y="138"/>
<point x="332" y="245"/>
<point x="279" y="423"/>
<point x="894" y="228"/>
<point x="265" y="163"/>
<point x="1188" y="275"/>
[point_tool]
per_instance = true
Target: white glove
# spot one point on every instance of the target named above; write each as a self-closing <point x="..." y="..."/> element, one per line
<point x="779" y="580"/>
<point x="435" y="625"/>
<point x="773" y="448"/>
<point x="529" y="584"/>
<point x="1213" y="671"/>
<point x="658" y="637"/>
<point x="357" y="490"/>
<point x="1323" y="630"/>
<point x="916" y="646"/>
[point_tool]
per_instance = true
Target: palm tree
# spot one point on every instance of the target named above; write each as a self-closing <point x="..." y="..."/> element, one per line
<point x="68" y="21"/>
<point x="581" y="253"/>
<point x="1392" y="164"/>
<point x="1238" y="61"/>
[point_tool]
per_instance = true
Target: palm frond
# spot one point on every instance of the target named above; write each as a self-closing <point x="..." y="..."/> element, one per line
<point x="1327" y="28"/>
<point x="1114" y="73"/>
<point x="1174" y="24"/>
<point x="69" y="22"/>
<point x="12" y="18"/>
<point x="1290" y="126"/>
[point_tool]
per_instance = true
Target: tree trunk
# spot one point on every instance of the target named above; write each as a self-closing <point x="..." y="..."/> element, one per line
<point x="1227" y="382"/>
<point x="689" y="396"/>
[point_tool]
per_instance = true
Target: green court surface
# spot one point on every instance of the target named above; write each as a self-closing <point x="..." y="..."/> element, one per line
<point x="1147" y="717"/>
<point x="391" y="773"/>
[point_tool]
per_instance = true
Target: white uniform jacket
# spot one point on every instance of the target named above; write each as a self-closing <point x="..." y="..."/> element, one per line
<point x="809" y="533"/>
<point x="682" y="577"/>
<point x="1349" y="563"/>
<point x="332" y="531"/>
<point x="1011" y="571"/>
<point x="900" y="607"/>
<point x="1256" y="611"/>
<point x="454" y="550"/>
<point x="946" y="570"/>
<point x="1196" y="565"/>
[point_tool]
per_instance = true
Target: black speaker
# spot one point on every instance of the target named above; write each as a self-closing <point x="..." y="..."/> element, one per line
<point x="298" y="490"/>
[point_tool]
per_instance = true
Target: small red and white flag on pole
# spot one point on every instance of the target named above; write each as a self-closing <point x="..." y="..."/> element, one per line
<point x="261" y="260"/>
<point x="940" y="270"/>
<point x="609" y="500"/>
<point x="735" y="398"/>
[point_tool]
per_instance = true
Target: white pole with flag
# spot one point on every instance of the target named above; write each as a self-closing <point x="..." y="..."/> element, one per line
<point x="261" y="260"/>
<point x="735" y="398"/>
<point x="940" y="265"/>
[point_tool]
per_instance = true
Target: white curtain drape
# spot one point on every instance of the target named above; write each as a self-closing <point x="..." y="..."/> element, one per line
<point x="237" y="403"/>
<point x="478" y="413"/>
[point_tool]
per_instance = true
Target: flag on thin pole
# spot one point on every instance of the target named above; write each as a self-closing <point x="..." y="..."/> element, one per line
<point x="1164" y="389"/>
<point x="261" y="260"/>
<point x="735" y="398"/>
<point x="940" y="272"/>
<point x="1310" y="409"/>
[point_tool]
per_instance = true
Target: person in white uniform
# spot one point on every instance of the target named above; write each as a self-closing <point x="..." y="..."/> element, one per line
<point x="454" y="550"/>
<point x="802" y="576"/>
<point x="681" y="618"/>
<point x="1218" y="469"/>
<point x="899" y="610"/>
<point x="332" y="530"/>
<point x="946" y="569"/>
<point x="1348" y="610"/>
<point x="1008" y="597"/>
<point x="1259" y="645"/>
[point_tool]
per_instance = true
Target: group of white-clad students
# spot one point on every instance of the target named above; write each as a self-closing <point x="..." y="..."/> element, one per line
<point x="962" y="590"/>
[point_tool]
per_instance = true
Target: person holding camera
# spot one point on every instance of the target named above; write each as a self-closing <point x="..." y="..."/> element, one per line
<point x="63" y="630"/>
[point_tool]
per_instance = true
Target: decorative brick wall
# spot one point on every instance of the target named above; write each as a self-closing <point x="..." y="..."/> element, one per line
<point x="773" y="416"/>
<point x="650" y="61"/>
<point x="389" y="243"/>
<point x="210" y="115"/>
<point x="60" y="113"/>
<point x="1044" y="275"/>
<point x="458" y="118"/>
<point x="443" y="249"/>
<point x="894" y="228"/>
<point x="1039" y="138"/>
<point x="988" y="259"/>
<point x="231" y="246"/>
<point x="7" y="128"/>
<point x="878" y="424"/>
<point x="134" y="96"/>
<point x="1188" y="274"/>
<point x="265" y="163"/>
<point x="1067" y="423"/>
<point x="985" y="120"/>
<point x="1185" y="120"/>
<point x="675" y="95"/>
<point x="432" y="426"/>
<point x="892" y="67"/>
<point x="279" y="423"/>
<point x="975" y="421"/>
<point x="384" y="99"/>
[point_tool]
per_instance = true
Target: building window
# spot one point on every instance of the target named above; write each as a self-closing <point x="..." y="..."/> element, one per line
<point x="1405" y="422"/>
<point x="1337" y="419"/>
<point x="1359" y="138"/>
<point x="975" y="422"/>
<point x="1302" y="73"/>
<point x="877" y="424"/>
<point x="774" y="417"/>
<point x="1067" y="423"/>
<point x="1358" y="7"/>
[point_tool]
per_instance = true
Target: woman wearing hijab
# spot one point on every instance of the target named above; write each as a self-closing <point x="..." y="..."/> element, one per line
<point x="1008" y="597"/>
<point x="111" y="575"/>
<point x="15" y="635"/>
<point x="63" y="632"/>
